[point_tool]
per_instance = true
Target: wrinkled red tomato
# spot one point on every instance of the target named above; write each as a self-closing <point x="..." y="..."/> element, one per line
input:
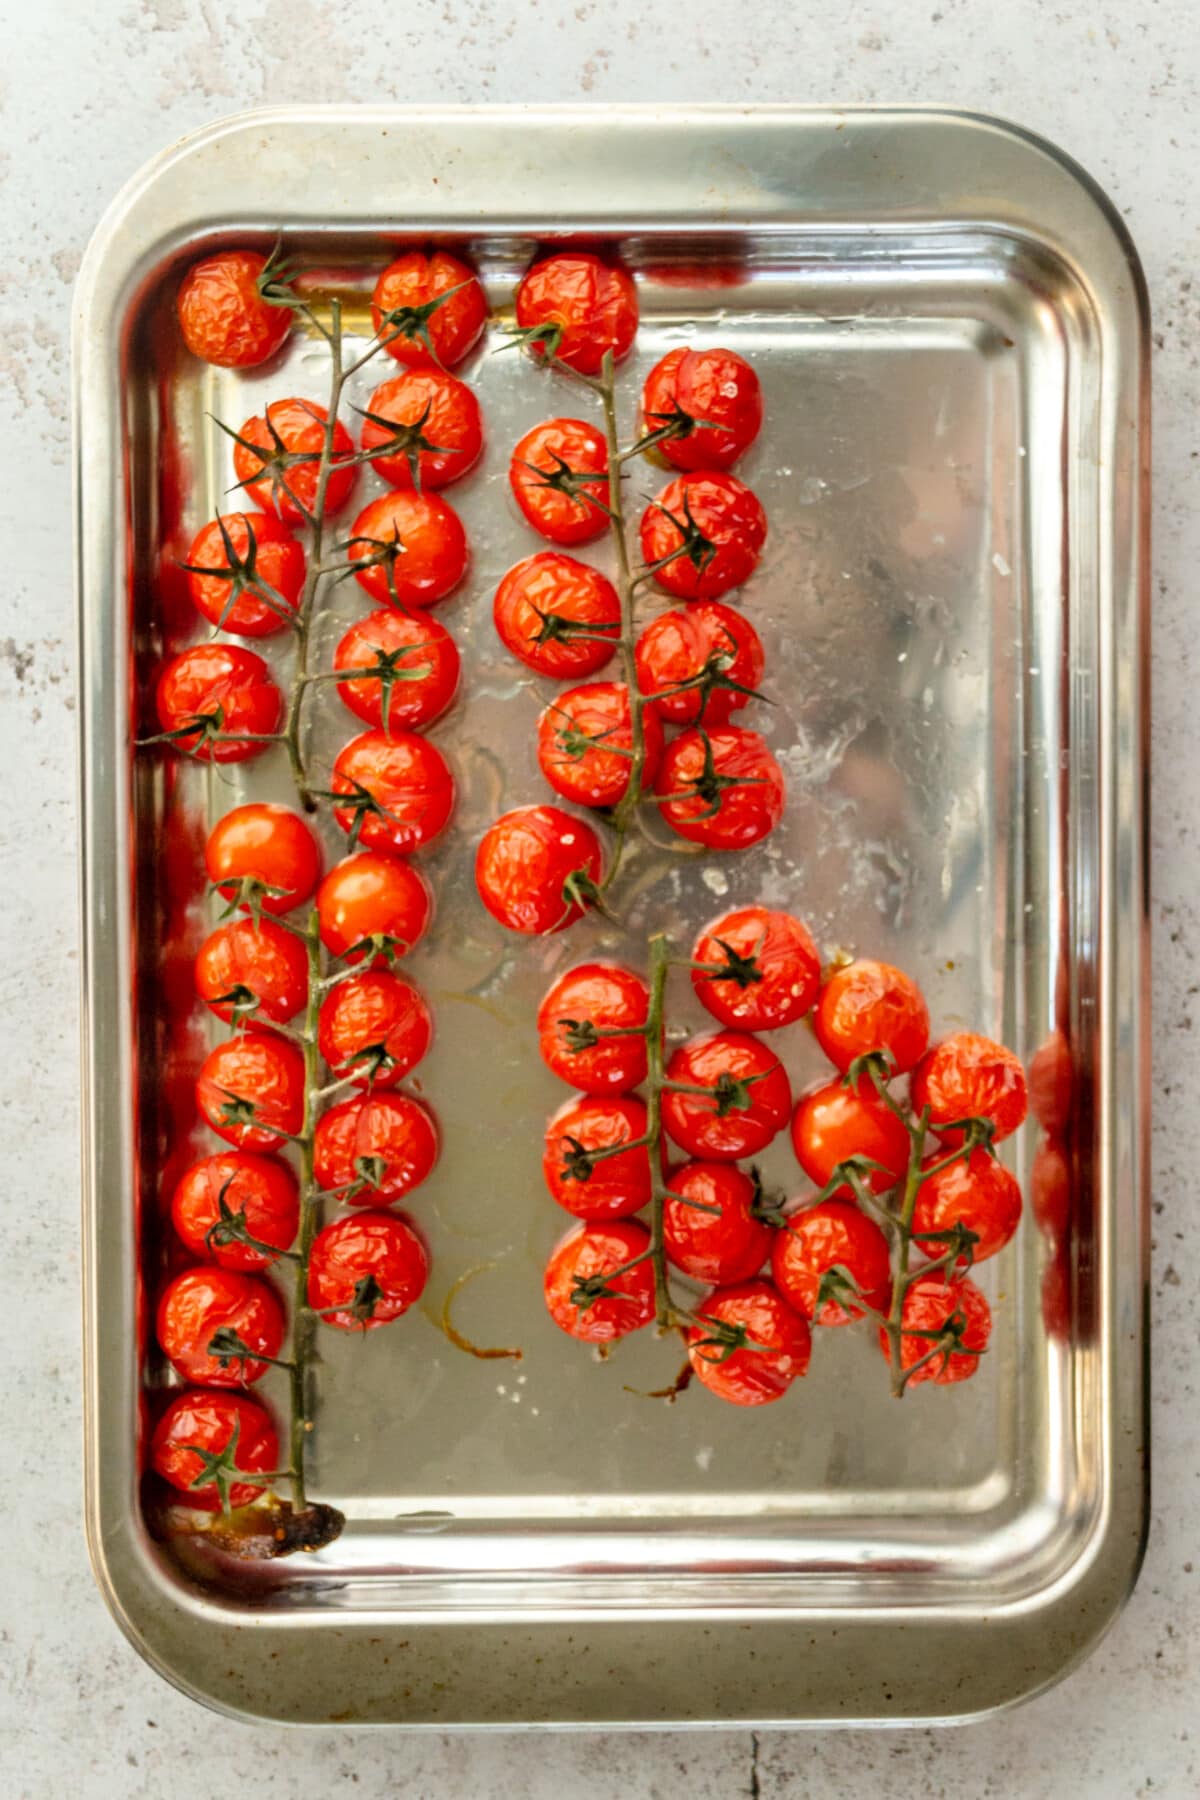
<point x="366" y="1270"/>
<point x="969" y="1076"/>
<point x="401" y="791"/>
<point x="727" y="1096"/>
<point x="277" y="459"/>
<point x="228" y="1427"/>
<point x="376" y="1148"/>
<point x="245" y="572"/>
<point x="591" y="1028"/>
<point x="728" y="1244"/>
<point x="206" y="1315"/>
<point x="374" y="1027"/>
<point x="252" y="969"/>
<point x="423" y="429"/>
<point x="713" y="401"/>
<point x="580" y="307"/>
<point x="373" y="906"/>
<point x="559" y="478"/>
<point x="224" y="692"/>
<point x="429" y="309"/>
<point x="223" y="315"/>
<point x="930" y="1306"/>
<point x="558" y="616"/>
<point x="703" y="535"/>
<point x="704" y="645"/>
<point x="225" y="1199"/>
<point x="585" y="743"/>
<point x="415" y="661"/>
<point x="536" y="867"/>
<point x="251" y="1090"/>
<point x="587" y="1168"/>
<point x="721" y="788"/>
<point x="758" y="968"/>
<point x="408" y="549"/>
<point x="591" y="1291"/>
<point x="870" y="1006"/>
<point x="831" y="1235"/>
<point x="749" y="1345"/>
<point x="976" y="1192"/>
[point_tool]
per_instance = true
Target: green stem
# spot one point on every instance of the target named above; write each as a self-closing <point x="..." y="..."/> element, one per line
<point x="901" y="1281"/>
<point x="660" y="963"/>
<point x="302" y="1322"/>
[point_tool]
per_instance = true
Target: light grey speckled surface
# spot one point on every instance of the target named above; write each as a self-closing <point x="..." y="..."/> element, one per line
<point x="89" y="89"/>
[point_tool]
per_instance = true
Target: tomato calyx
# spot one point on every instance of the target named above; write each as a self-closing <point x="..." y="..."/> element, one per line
<point x="275" y="462"/>
<point x="587" y="1289"/>
<point x="711" y="677"/>
<point x="708" y="785"/>
<point x="408" y="441"/>
<point x="675" y="423"/>
<point x="574" y="484"/>
<point x="579" y="1160"/>
<point x="383" y="553"/>
<point x="574" y="743"/>
<point x="729" y="1092"/>
<point x="362" y="1304"/>
<point x="838" y="1285"/>
<point x="740" y="967"/>
<point x="542" y="341"/>
<point x="379" y="943"/>
<point x="412" y="322"/>
<point x="241" y="572"/>
<point x="370" y="1173"/>
<point x="228" y="1347"/>
<point x="726" y="1337"/>
<point x="274" y="280"/>
<point x="230" y="1227"/>
<point x="558" y="628"/>
<point x="371" y="1060"/>
<point x="959" y="1254"/>
<point x="208" y="728"/>
<point x="220" y="1468"/>
<point x="238" y="1112"/>
<point x="767" y="1203"/>
<point x="386" y="670"/>
<point x="949" y="1341"/>
<point x="248" y="892"/>
<point x="361" y="803"/>
<point x="695" y="545"/>
<point x="241" y="1000"/>
<point x="583" y="1034"/>
<point x="581" y="889"/>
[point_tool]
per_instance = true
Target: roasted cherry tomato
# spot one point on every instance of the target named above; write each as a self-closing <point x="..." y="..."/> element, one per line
<point x="251" y="1090"/>
<point x="423" y="429"/>
<point x="224" y="1201"/>
<point x="374" y="1149"/>
<point x="366" y="1270"/>
<point x="373" y="906"/>
<point x="222" y="312"/>
<point x="712" y="402"/>
<point x="584" y="1296"/>
<point x="977" y="1192"/>
<point x="414" y="659"/>
<point x="579" y="307"/>
<point x="374" y="1027"/>
<point x="833" y="1123"/>
<point x="749" y="1345"/>
<point x="429" y="309"/>
<point x="408" y="549"/>
<point x="760" y="969"/>
<point x="559" y="477"/>
<point x="1050" y="1190"/>
<point x="722" y="788"/>
<point x="277" y="459"/>
<point x="591" y="1028"/>
<point x="730" y="1243"/>
<point x="930" y="1305"/>
<point x="535" y="868"/>
<point x="401" y="789"/>
<point x="245" y="571"/>
<point x="869" y="1006"/>
<point x="223" y="692"/>
<point x="706" y="644"/>
<point x="264" y="854"/>
<point x="586" y="1169"/>
<point x="585" y="743"/>
<point x="707" y="532"/>
<point x="557" y="615"/>
<point x="831" y="1235"/>
<point x="744" y="1101"/>
<point x="205" y="1314"/>
<point x="1051" y="1079"/>
<point x="968" y="1076"/>
<point x="252" y="969"/>
<point x="233" y="1430"/>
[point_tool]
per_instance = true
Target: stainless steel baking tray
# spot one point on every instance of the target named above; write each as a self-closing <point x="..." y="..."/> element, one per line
<point x="951" y="329"/>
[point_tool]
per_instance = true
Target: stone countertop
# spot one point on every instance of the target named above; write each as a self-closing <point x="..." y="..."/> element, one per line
<point x="89" y="89"/>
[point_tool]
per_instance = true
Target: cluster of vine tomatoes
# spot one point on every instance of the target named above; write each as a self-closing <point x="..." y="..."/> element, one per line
<point x="726" y="1096"/>
<point x="714" y="782"/>
<point x="237" y="1211"/>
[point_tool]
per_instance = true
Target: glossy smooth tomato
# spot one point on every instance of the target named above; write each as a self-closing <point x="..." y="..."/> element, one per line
<point x="591" y="1028"/>
<point x="423" y="429"/>
<point x="415" y="660"/>
<point x="930" y="1306"/>
<point x="587" y="1169"/>
<point x="977" y="1192"/>
<point x="968" y="1076"/>
<point x="235" y="1431"/>
<point x="870" y="1006"/>
<point x="245" y="571"/>
<point x="729" y="1244"/>
<point x="366" y="1270"/>
<point x="429" y="309"/>
<point x="252" y="969"/>
<point x="1050" y="1190"/>
<point x="1051" y="1080"/>
<point x="590" y="1291"/>
<point x="722" y="788"/>
<point x="707" y="532"/>
<point x="706" y="644"/>
<point x="834" y="1234"/>
<point x="585" y="743"/>
<point x="375" y="1148"/>
<point x="263" y="854"/>
<point x="559" y="478"/>
<point x="374" y="1027"/>
<point x="712" y="399"/>
<point x="580" y="307"/>
<point x="402" y="792"/>
<point x="373" y="906"/>
<point x="206" y="1315"/>
<point x="224" y="692"/>
<point x="759" y="968"/>
<point x="728" y="1095"/>
<point x="226" y="1199"/>
<point x="833" y="1123"/>
<point x="558" y="616"/>
<point x="749" y="1345"/>
<point x="251" y="1090"/>
<point x="408" y="549"/>
<point x="535" y="867"/>
<point x="277" y="459"/>
<point x="223" y="315"/>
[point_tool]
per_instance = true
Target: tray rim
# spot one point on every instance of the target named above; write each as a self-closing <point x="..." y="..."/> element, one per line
<point x="115" y="261"/>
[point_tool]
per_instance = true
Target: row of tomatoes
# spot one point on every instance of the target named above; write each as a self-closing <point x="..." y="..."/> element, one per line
<point x="756" y="970"/>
